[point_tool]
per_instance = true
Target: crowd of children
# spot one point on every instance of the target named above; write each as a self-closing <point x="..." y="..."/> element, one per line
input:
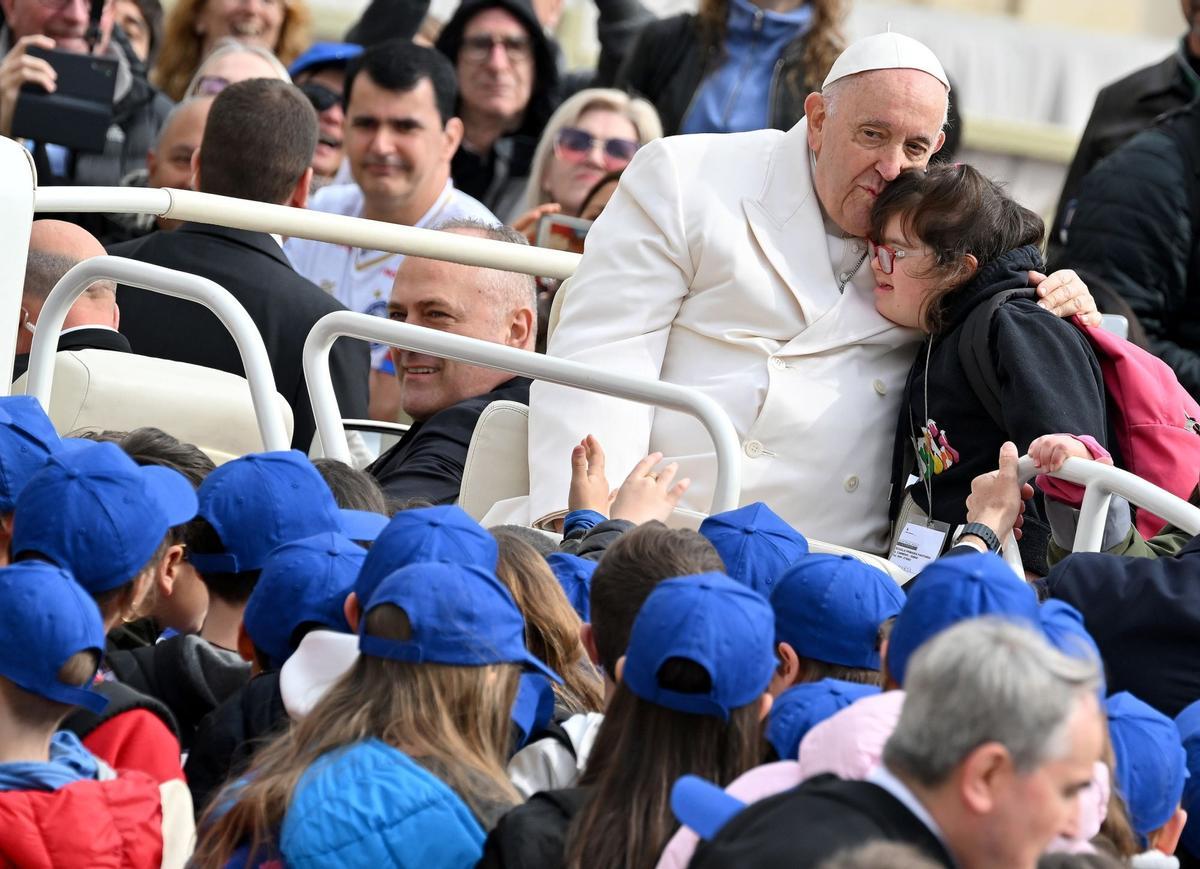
<point x="253" y="665"/>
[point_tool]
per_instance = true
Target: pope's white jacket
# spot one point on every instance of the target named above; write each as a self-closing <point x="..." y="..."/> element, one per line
<point x="710" y="268"/>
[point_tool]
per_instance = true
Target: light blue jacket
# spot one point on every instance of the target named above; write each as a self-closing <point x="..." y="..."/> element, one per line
<point x="369" y="805"/>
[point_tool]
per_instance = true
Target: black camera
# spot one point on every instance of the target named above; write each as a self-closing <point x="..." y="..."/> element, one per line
<point x="79" y="112"/>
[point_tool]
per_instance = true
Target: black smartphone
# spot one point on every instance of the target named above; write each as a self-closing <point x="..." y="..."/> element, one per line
<point x="79" y="113"/>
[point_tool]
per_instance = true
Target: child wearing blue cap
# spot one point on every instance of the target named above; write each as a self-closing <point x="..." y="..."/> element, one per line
<point x="1151" y="768"/>
<point x="828" y="612"/>
<point x="94" y="512"/>
<point x="629" y="571"/>
<point x="802" y="707"/>
<point x="59" y="804"/>
<point x="27" y="439"/>
<point x="691" y="695"/>
<point x="302" y="587"/>
<point x="401" y="762"/>
<point x="755" y="544"/>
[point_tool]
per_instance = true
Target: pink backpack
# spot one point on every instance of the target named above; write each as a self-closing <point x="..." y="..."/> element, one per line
<point x="1153" y="420"/>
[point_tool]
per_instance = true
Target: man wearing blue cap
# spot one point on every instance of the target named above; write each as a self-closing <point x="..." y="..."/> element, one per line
<point x="59" y="804"/>
<point x="320" y="73"/>
<point x="828" y="611"/>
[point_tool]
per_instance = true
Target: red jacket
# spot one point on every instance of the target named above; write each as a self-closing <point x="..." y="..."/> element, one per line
<point x="94" y="824"/>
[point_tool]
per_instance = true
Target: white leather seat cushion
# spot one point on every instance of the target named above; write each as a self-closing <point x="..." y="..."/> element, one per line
<point x="94" y="390"/>
<point x="497" y="465"/>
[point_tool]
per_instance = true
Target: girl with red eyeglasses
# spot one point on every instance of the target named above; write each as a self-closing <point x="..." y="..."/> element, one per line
<point x="946" y="242"/>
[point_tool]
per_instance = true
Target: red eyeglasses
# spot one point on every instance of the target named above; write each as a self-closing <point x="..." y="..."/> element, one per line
<point x="887" y="256"/>
<point x="572" y="145"/>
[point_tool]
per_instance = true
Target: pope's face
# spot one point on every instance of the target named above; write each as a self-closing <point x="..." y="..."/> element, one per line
<point x="868" y="130"/>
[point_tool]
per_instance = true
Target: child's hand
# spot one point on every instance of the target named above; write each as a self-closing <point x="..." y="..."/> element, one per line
<point x="589" y="486"/>
<point x="1050" y="451"/>
<point x="645" y="495"/>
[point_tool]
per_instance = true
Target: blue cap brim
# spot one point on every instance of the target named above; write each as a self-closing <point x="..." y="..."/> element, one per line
<point x="362" y="524"/>
<point x="174" y="494"/>
<point x="702" y="806"/>
<point x="533" y="665"/>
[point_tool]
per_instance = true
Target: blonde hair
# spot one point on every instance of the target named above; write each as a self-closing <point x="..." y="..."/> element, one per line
<point x="453" y="717"/>
<point x="228" y="45"/>
<point x="181" y="56"/>
<point x="551" y="624"/>
<point x="641" y="114"/>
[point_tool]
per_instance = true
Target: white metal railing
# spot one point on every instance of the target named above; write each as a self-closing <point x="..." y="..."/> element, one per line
<point x="302" y="223"/>
<point x="181" y="285"/>
<point x="1100" y="483"/>
<point x="564" y="372"/>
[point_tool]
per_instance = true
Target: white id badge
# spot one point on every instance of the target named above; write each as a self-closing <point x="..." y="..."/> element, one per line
<point x="918" y="544"/>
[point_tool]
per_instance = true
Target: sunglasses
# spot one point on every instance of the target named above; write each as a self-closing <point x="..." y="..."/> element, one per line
<point x="479" y="47"/>
<point x="321" y="97"/>
<point x="573" y="145"/>
<point x="887" y="256"/>
<point x="211" y="85"/>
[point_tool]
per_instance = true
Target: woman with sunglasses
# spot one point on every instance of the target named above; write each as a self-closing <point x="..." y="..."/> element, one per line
<point x="232" y="61"/>
<point x="595" y="132"/>
<point x="947" y="242"/>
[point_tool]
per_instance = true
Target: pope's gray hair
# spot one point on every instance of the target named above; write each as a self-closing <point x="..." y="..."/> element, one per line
<point x="986" y="680"/>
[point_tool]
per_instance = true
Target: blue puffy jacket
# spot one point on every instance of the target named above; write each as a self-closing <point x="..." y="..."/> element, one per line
<point x="372" y="806"/>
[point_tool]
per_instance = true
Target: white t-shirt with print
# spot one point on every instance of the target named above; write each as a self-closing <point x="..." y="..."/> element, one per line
<point x="362" y="279"/>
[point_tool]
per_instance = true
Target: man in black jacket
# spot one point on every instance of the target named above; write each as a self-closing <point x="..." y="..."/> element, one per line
<point x="443" y="397"/>
<point x="1126" y="107"/>
<point x="1134" y="231"/>
<point x="258" y="144"/>
<point x="55" y="246"/>
<point x="996" y="741"/>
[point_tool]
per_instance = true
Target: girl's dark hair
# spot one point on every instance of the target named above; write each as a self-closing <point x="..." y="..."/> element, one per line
<point x="954" y="211"/>
<point x="608" y="178"/>
<point x="640" y="751"/>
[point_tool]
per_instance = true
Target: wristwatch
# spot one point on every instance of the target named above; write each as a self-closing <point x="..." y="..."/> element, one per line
<point x="984" y="533"/>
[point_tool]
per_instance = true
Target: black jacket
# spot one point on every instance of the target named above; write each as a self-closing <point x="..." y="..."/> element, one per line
<point x="534" y="835"/>
<point x="809" y="824"/>
<point x="188" y="674"/>
<point x="1144" y="614"/>
<point x="498" y="178"/>
<point x="228" y="737"/>
<point x="1122" y="110"/>
<point x="82" y="338"/>
<point x="1135" y="231"/>
<point x="428" y="460"/>
<point x="1050" y="382"/>
<point x="284" y="306"/>
<point x="593" y="542"/>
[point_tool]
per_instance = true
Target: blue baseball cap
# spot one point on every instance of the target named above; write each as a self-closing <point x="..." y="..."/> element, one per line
<point x="97" y="513"/>
<point x="802" y="707"/>
<point x="305" y="581"/>
<point x="574" y="574"/>
<point x="45" y="618"/>
<point x="27" y="439"/>
<point x="953" y="589"/>
<point x="260" y="501"/>
<point x="1151" y="763"/>
<point x="460" y="615"/>
<point x="533" y="707"/>
<point x="712" y="621"/>
<point x="1064" y="628"/>
<point x="325" y="54"/>
<point x="1188" y="724"/>
<point x="702" y="806"/>
<point x="829" y="608"/>
<point x="443" y="534"/>
<point x="755" y="544"/>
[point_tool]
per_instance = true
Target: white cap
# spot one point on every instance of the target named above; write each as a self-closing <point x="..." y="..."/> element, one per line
<point x="885" y="51"/>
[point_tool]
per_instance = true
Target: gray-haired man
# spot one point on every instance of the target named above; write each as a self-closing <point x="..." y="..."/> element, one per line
<point x="997" y="739"/>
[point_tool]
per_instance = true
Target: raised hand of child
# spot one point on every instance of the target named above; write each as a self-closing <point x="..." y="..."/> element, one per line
<point x="1050" y="451"/>
<point x="589" y="487"/>
<point x="646" y="495"/>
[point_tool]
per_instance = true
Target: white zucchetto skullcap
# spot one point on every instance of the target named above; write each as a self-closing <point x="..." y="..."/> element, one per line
<point x="885" y="51"/>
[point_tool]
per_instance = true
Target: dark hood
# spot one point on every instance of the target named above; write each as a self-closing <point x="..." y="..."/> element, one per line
<point x="544" y="96"/>
<point x="1009" y="271"/>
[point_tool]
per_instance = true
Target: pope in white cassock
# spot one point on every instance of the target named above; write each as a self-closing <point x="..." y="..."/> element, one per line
<point x="735" y="264"/>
